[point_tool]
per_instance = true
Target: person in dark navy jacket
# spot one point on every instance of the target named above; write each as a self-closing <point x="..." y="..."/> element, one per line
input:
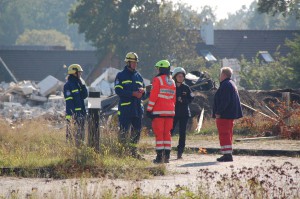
<point x="130" y="87"/>
<point x="184" y="97"/>
<point x="226" y="109"/>
<point x="75" y="92"/>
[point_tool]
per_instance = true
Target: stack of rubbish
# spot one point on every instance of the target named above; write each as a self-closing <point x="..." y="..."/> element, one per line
<point x="106" y="81"/>
<point x="27" y="100"/>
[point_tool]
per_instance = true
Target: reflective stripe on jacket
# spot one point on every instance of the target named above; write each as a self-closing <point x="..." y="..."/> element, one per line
<point x="75" y="93"/>
<point x="162" y="97"/>
<point x="126" y="83"/>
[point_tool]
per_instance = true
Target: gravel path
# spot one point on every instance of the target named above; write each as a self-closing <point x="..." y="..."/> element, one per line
<point x="192" y="172"/>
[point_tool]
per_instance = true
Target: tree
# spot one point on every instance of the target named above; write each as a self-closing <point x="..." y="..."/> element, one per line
<point x="285" y="7"/>
<point x="257" y="76"/>
<point x="293" y="59"/>
<point x="44" y="37"/>
<point x="104" y="22"/>
<point x="158" y="32"/>
<point x="254" y="20"/>
<point x="10" y="22"/>
<point x="18" y="15"/>
<point x="154" y="30"/>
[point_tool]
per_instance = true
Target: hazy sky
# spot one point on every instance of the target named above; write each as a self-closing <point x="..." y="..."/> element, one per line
<point x="222" y="7"/>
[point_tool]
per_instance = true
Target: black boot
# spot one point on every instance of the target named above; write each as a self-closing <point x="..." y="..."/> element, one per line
<point x="135" y="154"/>
<point x="179" y="155"/>
<point x="167" y="156"/>
<point x="159" y="157"/>
<point x="225" y="158"/>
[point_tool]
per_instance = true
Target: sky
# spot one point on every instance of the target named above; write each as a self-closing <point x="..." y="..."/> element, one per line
<point x="222" y="7"/>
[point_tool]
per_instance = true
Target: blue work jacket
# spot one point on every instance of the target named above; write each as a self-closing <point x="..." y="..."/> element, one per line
<point x="227" y="101"/>
<point x="126" y="83"/>
<point x="75" y="93"/>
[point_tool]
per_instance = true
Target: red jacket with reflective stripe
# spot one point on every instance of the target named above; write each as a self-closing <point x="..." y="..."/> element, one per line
<point x="163" y="96"/>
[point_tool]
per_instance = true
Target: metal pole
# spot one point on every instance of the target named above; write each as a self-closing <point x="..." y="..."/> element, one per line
<point x="9" y="72"/>
<point x="287" y="98"/>
<point x="93" y="120"/>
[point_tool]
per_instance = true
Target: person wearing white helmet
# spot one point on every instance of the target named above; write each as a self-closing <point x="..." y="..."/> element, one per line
<point x="184" y="97"/>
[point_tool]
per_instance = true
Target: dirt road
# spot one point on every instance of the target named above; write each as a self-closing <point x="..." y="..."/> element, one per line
<point x="274" y="175"/>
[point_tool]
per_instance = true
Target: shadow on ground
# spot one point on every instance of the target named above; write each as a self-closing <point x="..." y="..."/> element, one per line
<point x="199" y="164"/>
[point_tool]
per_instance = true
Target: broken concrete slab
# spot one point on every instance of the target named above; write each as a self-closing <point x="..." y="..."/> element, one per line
<point x="37" y="98"/>
<point x="48" y="85"/>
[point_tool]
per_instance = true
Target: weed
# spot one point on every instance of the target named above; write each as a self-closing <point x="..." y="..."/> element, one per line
<point x="33" y="149"/>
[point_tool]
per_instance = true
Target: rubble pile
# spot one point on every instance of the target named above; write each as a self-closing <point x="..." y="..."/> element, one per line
<point x="27" y="100"/>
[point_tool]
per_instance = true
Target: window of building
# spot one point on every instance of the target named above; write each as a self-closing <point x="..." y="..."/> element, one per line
<point x="265" y="55"/>
<point x="207" y="55"/>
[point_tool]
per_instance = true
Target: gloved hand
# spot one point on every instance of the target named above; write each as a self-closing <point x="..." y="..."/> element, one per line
<point x="149" y="114"/>
<point x="137" y="94"/>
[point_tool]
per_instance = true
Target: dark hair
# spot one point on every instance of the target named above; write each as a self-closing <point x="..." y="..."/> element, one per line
<point x="164" y="71"/>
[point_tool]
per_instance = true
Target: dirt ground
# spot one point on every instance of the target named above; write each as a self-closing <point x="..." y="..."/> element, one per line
<point x="195" y="171"/>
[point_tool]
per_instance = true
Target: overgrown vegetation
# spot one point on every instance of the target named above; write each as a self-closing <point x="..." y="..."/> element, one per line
<point x="26" y="147"/>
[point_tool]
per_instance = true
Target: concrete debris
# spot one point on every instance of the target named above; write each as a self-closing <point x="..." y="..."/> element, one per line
<point x="27" y="100"/>
<point x="49" y="85"/>
<point x="105" y="82"/>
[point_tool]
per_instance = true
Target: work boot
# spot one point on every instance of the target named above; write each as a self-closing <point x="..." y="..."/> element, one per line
<point x="179" y="155"/>
<point x="167" y="156"/>
<point x="159" y="157"/>
<point x="135" y="154"/>
<point x="225" y="158"/>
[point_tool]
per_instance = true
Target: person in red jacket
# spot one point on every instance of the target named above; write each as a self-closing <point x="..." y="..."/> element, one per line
<point x="161" y="108"/>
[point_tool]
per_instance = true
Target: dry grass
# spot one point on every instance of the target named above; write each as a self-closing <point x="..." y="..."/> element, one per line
<point x="35" y="144"/>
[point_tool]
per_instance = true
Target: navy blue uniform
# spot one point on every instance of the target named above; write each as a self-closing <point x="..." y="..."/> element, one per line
<point x="227" y="101"/>
<point x="184" y="97"/>
<point x="75" y="93"/>
<point x="130" y="108"/>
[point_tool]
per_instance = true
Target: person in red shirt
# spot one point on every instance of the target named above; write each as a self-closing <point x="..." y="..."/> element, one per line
<point x="161" y="108"/>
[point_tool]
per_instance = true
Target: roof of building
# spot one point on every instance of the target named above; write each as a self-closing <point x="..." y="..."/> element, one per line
<point x="235" y="43"/>
<point x="37" y="64"/>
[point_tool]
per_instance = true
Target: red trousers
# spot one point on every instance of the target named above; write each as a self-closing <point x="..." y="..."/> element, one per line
<point x="225" y="129"/>
<point x="162" y="129"/>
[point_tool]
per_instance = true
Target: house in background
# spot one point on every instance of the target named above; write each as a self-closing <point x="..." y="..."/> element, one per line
<point x="225" y="46"/>
<point x="233" y="44"/>
<point x="37" y="62"/>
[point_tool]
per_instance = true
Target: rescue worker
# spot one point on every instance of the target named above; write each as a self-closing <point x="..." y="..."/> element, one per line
<point x="75" y="92"/>
<point x="184" y="97"/>
<point x="130" y="87"/>
<point x="226" y="109"/>
<point x="161" y="108"/>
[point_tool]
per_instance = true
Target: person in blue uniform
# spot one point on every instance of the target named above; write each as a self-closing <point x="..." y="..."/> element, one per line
<point x="184" y="97"/>
<point x="226" y="109"/>
<point x="75" y="92"/>
<point x="130" y="87"/>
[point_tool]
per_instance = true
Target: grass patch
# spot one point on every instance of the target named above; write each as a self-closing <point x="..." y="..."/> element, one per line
<point x="35" y="149"/>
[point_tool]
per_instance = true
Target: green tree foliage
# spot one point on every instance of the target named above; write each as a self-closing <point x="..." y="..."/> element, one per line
<point x="285" y="7"/>
<point x="18" y="15"/>
<point x="104" y="22"/>
<point x="251" y="18"/>
<point x="158" y="32"/>
<point x="293" y="59"/>
<point x="261" y="76"/>
<point x="155" y="30"/>
<point x="10" y="22"/>
<point x="44" y="37"/>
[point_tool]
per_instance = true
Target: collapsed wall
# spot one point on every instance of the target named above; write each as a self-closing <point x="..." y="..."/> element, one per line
<point x="28" y="100"/>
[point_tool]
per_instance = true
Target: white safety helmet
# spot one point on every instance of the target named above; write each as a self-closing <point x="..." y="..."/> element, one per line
<point x="178" y="70"/>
